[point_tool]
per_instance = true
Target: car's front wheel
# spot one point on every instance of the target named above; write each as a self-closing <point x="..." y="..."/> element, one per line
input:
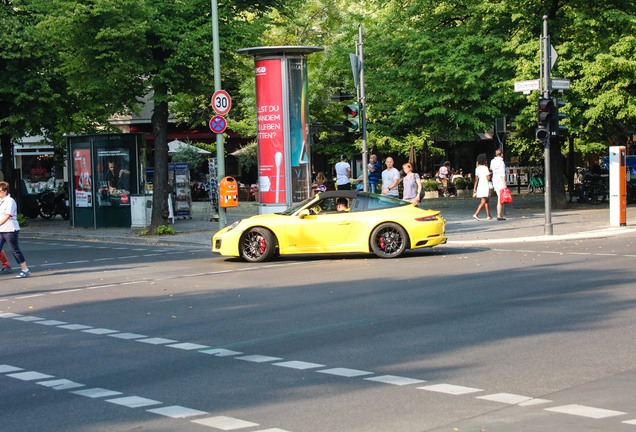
<point x="257" y="244"/>
<point x="389" y="240"/>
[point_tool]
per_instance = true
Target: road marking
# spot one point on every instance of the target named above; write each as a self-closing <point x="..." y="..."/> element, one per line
<point x="176" y="411"/>
<point x="258" y="358"/>
<point x="30" y="376"/>
<point x="187" y="346"/>
<point x="224" y="423"/>
<point x="221" y="352"/>
<point x="50" y="322"/>
<point x="8" y="368"/>
<point x="395" y="380"/>
<point x="450" y="389"/>
<point x="585" y="411"/>
<point x="29" y="318"/>
<point x="100" y="331"/>
<point x="60" y="384"/>
<point x="74" y="327"/>
<point x="156" y="341"/>
<point x="133" y="401"/>
<point x="301" y="365"/>
<point x="127" y="335"/>
<point x="96" y="392"/>
<point x="512" y="399"/>
<point x="345" y="372"/>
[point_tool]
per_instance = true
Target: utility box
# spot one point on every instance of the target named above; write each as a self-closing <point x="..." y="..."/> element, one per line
<point x="228" y="192"/>
<point x="140" y="211"/>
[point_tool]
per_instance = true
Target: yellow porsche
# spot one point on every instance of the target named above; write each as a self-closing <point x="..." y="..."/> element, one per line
<point x="334" y="222"/>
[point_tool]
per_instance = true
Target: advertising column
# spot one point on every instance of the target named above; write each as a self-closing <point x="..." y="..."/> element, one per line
<point x="271" y="133"/>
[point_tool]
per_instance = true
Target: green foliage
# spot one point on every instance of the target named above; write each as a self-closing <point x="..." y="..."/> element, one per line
<point x="144" y="232"/>
<point x="164" y="230"/>
<point x="22" y="220"/>
<point x="188" y="154"/>
<point x="247" y="156"/>
<point x="430" y="185"/>
<point x="460" y="183"/>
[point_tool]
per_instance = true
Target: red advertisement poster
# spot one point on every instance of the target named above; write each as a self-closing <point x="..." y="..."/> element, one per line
<point x="83" y="178"/>
<point x="271" y="134"/>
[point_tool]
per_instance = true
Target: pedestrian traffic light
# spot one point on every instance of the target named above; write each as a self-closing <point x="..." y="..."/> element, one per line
<point x="555" y="128"/>
<point x="544" y="118"/>
<point x="352" y="111"/>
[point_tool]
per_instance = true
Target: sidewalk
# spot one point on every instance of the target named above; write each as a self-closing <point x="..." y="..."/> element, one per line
<point x="525" y="221"/>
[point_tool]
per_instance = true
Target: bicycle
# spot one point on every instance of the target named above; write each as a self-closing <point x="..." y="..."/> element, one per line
<point x="536" y="183"/>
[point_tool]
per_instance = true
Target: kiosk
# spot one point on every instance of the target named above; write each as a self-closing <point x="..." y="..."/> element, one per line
<point x="104" y="172"/>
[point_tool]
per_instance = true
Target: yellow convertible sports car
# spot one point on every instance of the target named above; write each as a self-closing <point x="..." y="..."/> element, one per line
<point x="334" y="222"/>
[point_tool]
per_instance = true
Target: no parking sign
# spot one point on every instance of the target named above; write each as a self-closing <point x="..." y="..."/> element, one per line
<point x="218" y="124"/>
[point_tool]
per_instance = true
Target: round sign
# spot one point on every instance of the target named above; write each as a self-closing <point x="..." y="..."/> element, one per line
<point x="218" y="124"/>
<point x="221" y="102"/>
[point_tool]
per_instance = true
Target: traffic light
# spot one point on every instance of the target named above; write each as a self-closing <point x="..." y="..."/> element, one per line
<point x="544" y="118"/>
<point x="556" y="117"/>
<point x="352" y="111"/>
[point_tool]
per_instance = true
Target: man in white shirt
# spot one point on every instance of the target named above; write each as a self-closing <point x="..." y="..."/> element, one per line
<point x="390" y="179"/>
<point x="498" y="169"/>
<point x="343" y="174"/>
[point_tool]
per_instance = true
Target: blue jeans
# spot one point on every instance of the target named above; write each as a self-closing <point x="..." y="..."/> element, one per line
<point x="373" y="187"/>
<point x="11" y="238"/>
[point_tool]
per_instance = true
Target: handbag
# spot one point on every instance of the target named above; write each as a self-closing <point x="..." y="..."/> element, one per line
<point x="505" y="197"/>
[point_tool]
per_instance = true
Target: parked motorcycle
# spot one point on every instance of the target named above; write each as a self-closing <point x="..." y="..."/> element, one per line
<point x="592" y="189"/>
<point x="52" y="203"/>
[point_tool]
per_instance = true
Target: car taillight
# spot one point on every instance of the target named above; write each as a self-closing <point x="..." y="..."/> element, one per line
<point x="430" y="218"/>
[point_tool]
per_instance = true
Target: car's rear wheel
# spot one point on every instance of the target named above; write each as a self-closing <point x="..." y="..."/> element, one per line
<point x="389" y="240"/>
<point x="257" y="244"/>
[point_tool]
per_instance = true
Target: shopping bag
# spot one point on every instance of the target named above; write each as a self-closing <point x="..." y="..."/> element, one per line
<point x="505" y="197"/>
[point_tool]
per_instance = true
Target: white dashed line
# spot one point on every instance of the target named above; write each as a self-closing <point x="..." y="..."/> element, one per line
<point x="100" y="331"/>
<point x="96" y="392"/>
<point x="30" y="376"/>
<point x="28" y="318"/>
<point x="176" y="411"/>
<point x="301" y="365"/>
<point x="395" y="380"/>
<point x="75" y="327"/>
<point x="450" y="389"/>
<point x="585" y="411"/>
<point x="220" y="352"/>
<point x="156" y="341"/>
<point x="224" y="423"/>
<point x="133" y="401"/>
<point x="60" y="384"/>
<point x="7" y="369"/>
<point x="127" y="336"/>
<point x="50" y="322"/>
<point x="258" y="358"/>
<point x="512" y="399"/>
<point x="345" y="372"/>
<point x="187" y="346"/>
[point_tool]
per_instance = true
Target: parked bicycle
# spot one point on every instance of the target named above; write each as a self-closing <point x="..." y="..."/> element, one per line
<point x="592" y="189"/>
<point x="536" y="183"/>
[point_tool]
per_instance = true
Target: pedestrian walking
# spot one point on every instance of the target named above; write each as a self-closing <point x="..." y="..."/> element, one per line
<point x="343" y="174"/>
<point x="390" y="179"/>
<point x="411" y="184"/>
<point x="498" y="168"/>
<point x="481" y="188"/>
<point x="9" y="228"/>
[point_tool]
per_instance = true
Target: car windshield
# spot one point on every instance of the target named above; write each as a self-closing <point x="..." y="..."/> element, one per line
<point x="295" y="207"/>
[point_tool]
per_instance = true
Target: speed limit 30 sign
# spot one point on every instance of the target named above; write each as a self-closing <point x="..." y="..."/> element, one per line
<point x="221" y="102"/>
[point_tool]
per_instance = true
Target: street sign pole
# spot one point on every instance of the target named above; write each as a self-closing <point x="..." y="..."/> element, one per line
<point x="545" y="88"/>
<point x="363" y="114"/>
<point x="220" y="147"/>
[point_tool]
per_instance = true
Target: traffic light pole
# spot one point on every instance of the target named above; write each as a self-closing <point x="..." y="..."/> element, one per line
<point x="363" y="112"/>
<point x="545" y="90"/>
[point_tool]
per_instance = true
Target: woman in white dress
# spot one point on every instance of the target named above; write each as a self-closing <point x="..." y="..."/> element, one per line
<point x="481" y="189"/>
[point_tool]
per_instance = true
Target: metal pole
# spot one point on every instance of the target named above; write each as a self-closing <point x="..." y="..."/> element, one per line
<point x="363" y="114"/>
<point x="545" y="86"/>
<point x="220" y="147"/>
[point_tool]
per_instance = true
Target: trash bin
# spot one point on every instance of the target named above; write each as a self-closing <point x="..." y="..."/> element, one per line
<point x="228" y="192"/>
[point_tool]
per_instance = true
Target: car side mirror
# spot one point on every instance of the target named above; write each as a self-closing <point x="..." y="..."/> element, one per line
<point x="303" y="213"/>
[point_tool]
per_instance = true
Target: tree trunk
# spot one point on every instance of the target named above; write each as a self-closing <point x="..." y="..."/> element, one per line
<point x="160" y="177"/>
<point x="7" y="162"/>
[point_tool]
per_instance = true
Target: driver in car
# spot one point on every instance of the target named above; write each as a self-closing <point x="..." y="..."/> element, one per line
<point x="342" y="205"/>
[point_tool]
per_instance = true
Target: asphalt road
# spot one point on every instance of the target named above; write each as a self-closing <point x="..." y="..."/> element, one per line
<point x="509" y="337"/>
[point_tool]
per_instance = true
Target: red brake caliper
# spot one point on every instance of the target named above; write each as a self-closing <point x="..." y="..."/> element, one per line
<point x="382" y="245"/>
<point x="262" y="244"/>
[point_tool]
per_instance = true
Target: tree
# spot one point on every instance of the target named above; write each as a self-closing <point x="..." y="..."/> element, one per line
<point x="114" y="53"/>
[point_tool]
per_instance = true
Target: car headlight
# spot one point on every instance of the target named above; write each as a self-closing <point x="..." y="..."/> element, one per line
<point x="234" y="225"/>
